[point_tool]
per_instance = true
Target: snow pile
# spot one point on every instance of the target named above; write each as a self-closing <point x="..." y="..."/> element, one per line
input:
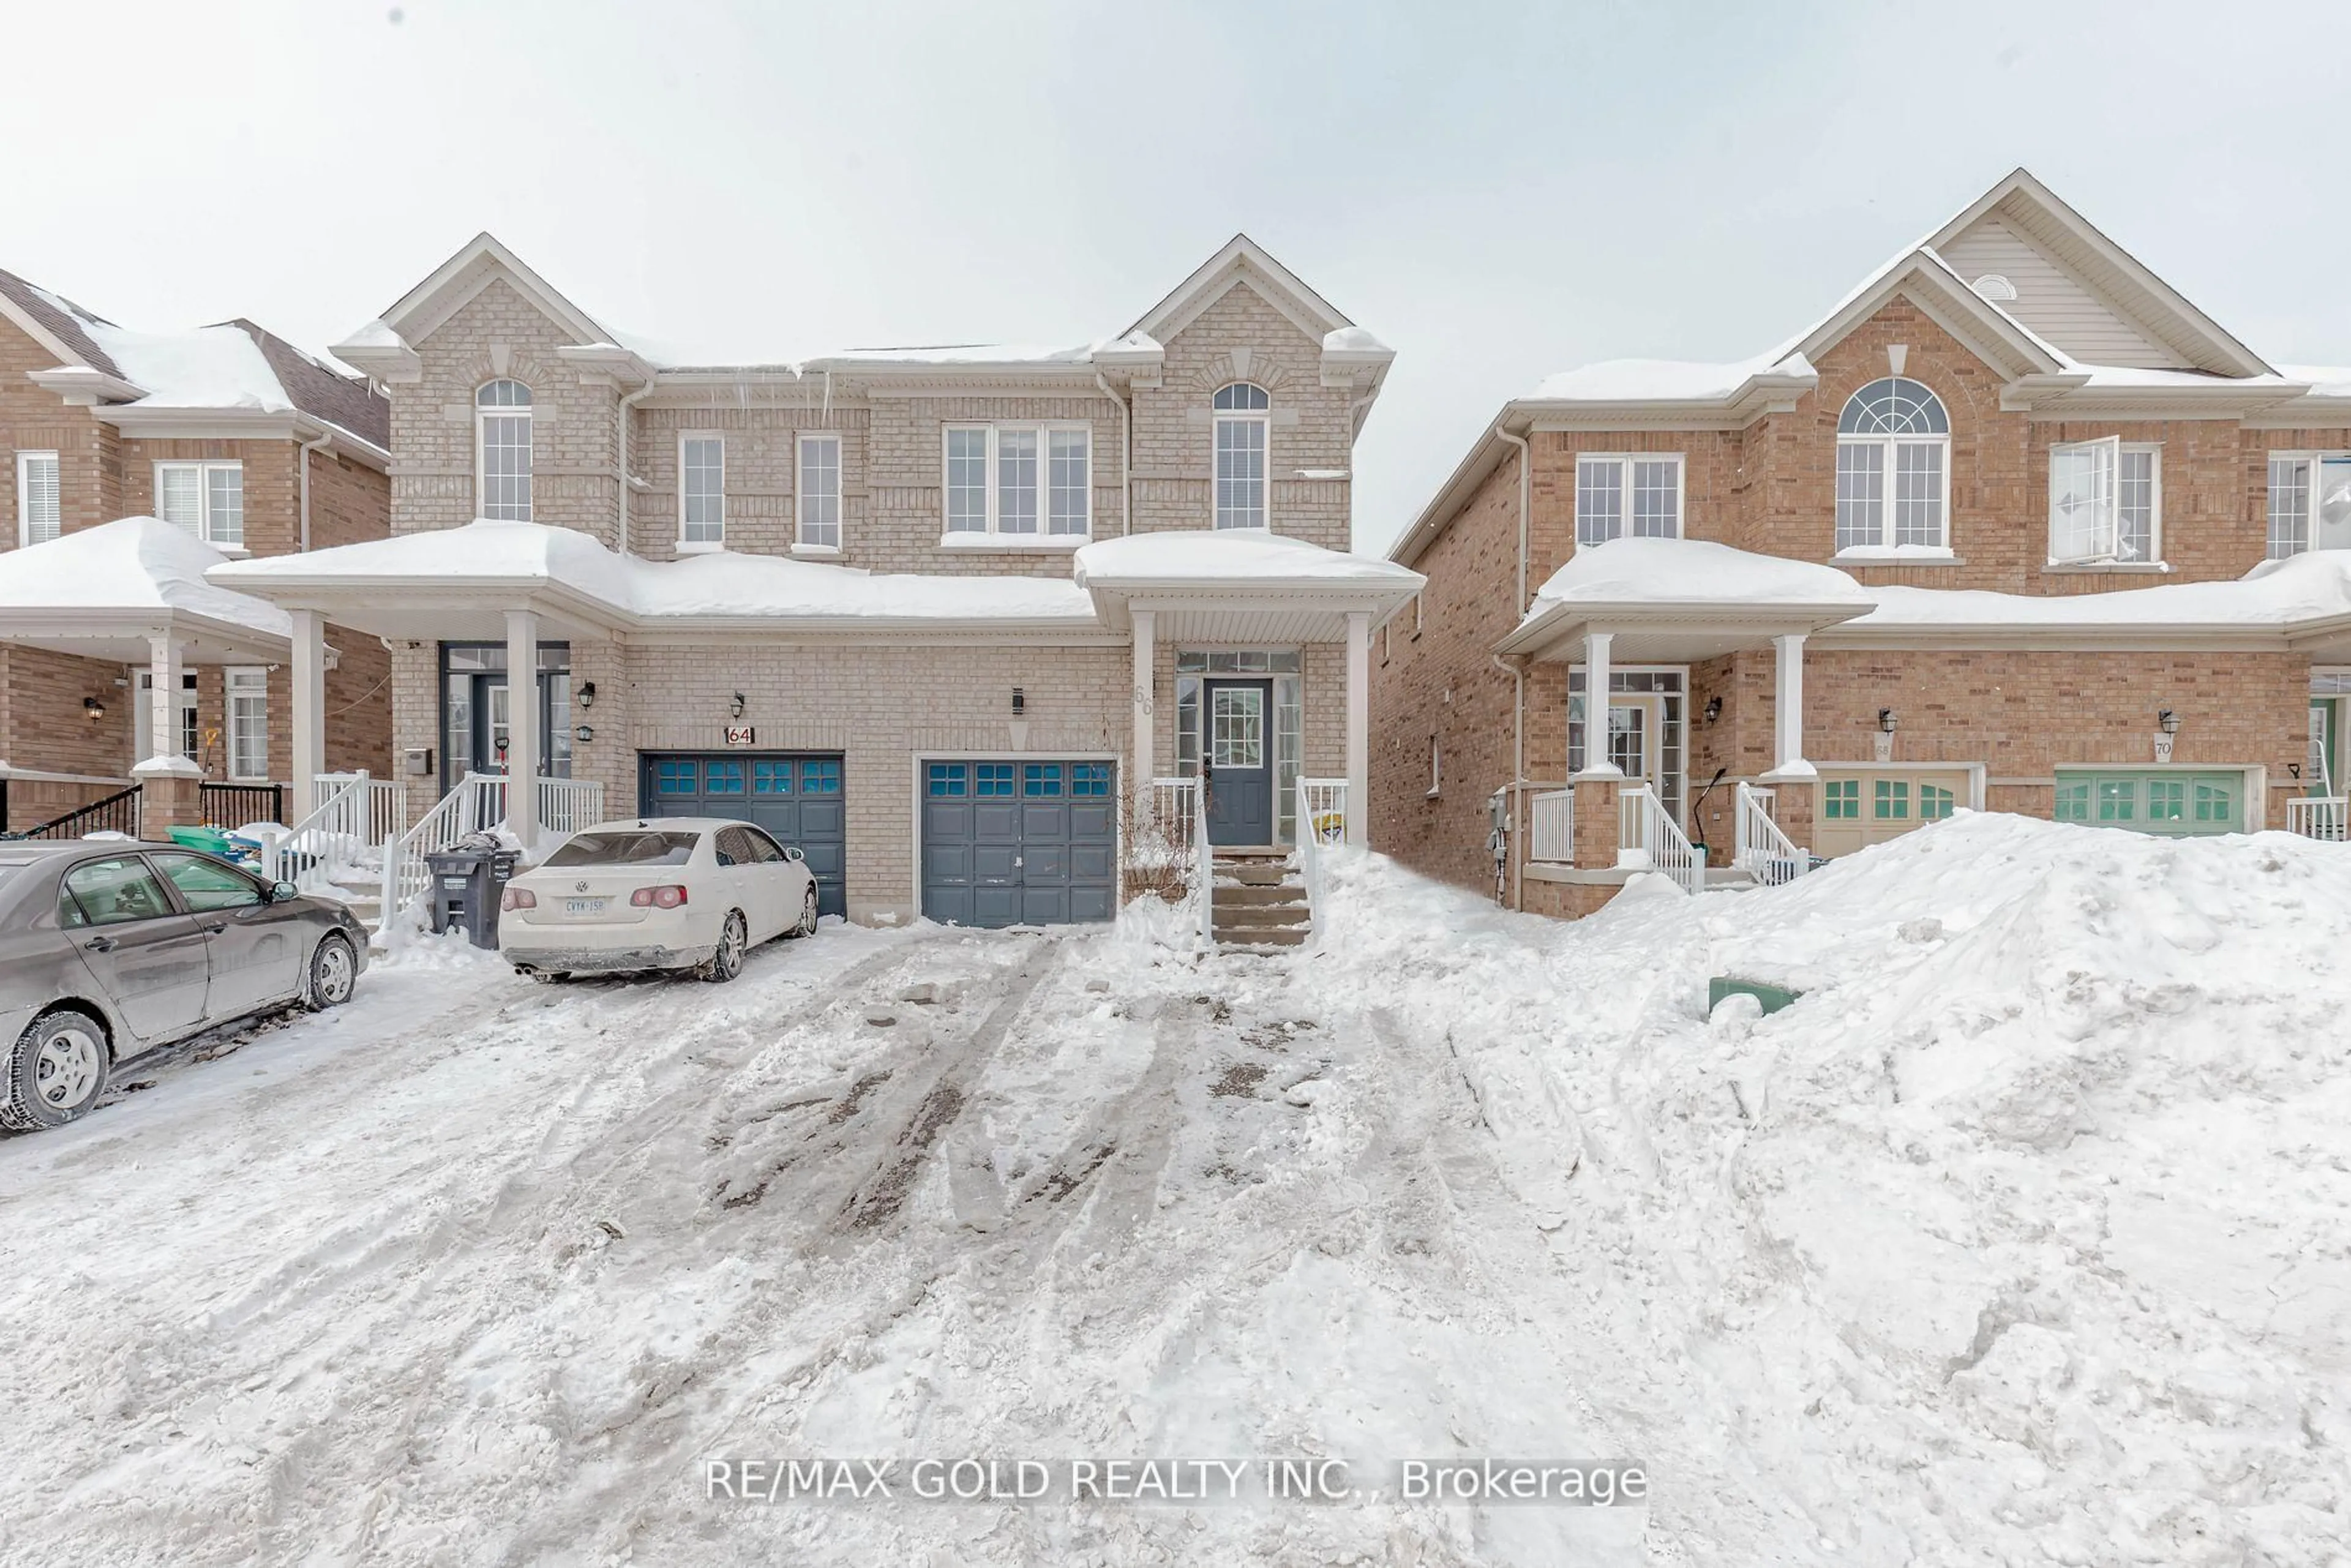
<point x="1693" y="571"/>
<point x="131" y="564"/>
<point x="1665" y="381"/>
<point x="209" y="367"/>
<point x="1178" y="556"/>
<point x="2314" y="586"/>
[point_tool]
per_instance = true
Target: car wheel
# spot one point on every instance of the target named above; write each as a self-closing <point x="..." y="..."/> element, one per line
<point x="726" y="962"/>
<point x="55" y="1071"/>
<point x="807" y="928"/>
<point x="334" y="970"/>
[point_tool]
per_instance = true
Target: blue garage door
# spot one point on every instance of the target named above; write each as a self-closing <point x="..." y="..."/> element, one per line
<point x="797" y="799"/>
<point x="1019" y="842"/>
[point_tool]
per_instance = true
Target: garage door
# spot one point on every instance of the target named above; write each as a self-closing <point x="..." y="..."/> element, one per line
<point x="797" y="799"/>
<point x="1860" y="810"/>
<point x="1019" y="842"/>
<point x="2177" y="804"/>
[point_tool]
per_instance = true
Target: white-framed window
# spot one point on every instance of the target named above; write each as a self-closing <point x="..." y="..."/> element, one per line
<point x="502" y="447"/>
<point x="701" y="490"/>
<point x="39" y="513"/>
<point x="2106" y="501"/>
<point x="1244" y="419"/>
<point x="1637" y="493"/>
<point x="1894" y="469"/>
<point x="820" y="490"/>
<point x="248" y="721"/>
<point x="206" y="498"/>
<point x="1018" y="481"/>
<point x="2310" y="502"/>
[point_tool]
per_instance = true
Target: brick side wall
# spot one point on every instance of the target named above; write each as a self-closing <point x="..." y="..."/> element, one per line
<point x="32" y="420"/>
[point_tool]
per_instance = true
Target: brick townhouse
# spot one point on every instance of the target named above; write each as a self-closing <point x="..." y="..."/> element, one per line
<point x="2016" y="527"/>
<point x="131" y="463"/>
<point x="943" y="618"/>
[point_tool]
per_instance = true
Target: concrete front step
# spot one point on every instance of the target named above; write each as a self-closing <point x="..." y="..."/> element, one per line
<point x="1262" y="938"/>
<point x="1262" y="914"/>
<point x="1254" y="873"/>
<point x="1258" y="893"/>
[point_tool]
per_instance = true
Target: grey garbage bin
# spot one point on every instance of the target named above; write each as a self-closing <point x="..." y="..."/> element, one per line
<point x="466" y="888"/>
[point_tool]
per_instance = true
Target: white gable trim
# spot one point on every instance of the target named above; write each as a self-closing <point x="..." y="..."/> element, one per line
<point x="456" y="282"/>
<point x="1921" y="276"/>
<point x="1243" y="255"/>
<point x="47" y="339"/>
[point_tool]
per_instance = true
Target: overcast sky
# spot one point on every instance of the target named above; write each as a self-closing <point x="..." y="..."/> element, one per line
<point x="1498" y="192"/>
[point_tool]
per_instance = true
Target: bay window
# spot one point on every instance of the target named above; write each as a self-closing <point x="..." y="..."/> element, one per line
<point x="206" y="498"/>
<point x="2310" y="502"/>
<point x="1634" y="495"/>
<point x="1018" y="483"/>
<point x="1893" y="477"/>
<point x="2104" y="502"/>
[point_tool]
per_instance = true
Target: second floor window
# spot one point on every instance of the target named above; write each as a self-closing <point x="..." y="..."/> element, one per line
<point x="2310" y="502"/>
<point x="502" y="431"/>
<point x="1894" y="468"/>
<point x="701" y="490"/>
<point x="39" y="514"/>
<point x="1020" y="481"/>
<point x="1244" y="416"/>
<point x="819" y="494"/>
<point x="1634" y="495"/>
<point x="2104" y="502"/>
<point x="206" y="498"/>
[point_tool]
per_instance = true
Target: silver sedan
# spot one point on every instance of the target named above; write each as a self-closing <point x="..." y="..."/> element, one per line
<point x="110" y="949"/>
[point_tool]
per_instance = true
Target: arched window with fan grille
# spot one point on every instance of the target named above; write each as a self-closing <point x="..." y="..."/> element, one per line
<point x="1894" y="468"/>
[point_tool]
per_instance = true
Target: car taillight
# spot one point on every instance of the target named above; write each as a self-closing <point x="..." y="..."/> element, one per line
<point x="669" y="896"/>
<point x="518" y="898"/>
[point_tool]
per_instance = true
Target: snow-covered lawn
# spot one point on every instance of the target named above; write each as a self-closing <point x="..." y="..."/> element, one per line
<point x="2020" y="1239"/>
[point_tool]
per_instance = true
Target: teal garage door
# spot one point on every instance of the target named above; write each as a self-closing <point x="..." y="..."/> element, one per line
<point x="1017" y="842"/>
<point x="796" y="799"/>
<point x="2181" y="804"/>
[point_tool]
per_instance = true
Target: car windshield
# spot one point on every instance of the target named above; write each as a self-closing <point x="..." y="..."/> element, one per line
<point x="626" y="849"/>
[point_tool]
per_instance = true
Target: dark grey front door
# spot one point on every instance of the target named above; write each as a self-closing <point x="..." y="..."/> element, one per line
<point x="1237" y="760"/>
<point x="1019" y="842"/>
<point x="796" y="799"/>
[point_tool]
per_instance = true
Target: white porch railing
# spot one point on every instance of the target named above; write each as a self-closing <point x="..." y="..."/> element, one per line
<point x="1166" y="833"/>
<point x="1321" y="821"/>
<point x="1649" y="839"/>
<point x="1759" y="846"/>
<point x="567" y="805"/>
<point x="1204" y="868"/>
<point x="1551" y="827"/>
<point x="2323" y="817"/>
<point x="356" y="817"/>
<point x="479" y="801"/>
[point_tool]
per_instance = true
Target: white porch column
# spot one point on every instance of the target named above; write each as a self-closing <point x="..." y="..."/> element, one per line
<point x="1597" y="763"/>
<point x="309" y="705"/>
<point x="1139" y="786"/>
<point x="163" y="708"/>
<point x="1359" y="728"/>
<point x="522" y="724"/>
<point x="1788" y="711"/>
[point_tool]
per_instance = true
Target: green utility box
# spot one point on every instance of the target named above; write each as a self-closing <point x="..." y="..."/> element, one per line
<point x="1773" y="998"/>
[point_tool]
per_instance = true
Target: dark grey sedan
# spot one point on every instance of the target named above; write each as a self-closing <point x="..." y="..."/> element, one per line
<point x="111" y="949"/>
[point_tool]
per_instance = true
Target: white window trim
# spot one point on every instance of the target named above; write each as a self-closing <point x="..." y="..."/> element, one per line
<point x="1624" y="461"/>
<point x="25" y="461"/>
<point x="229" y="698"/>
<point x="1885" y="551"/>
<point x="801" y="442"/>
<point x="2155" y="561"/>
<point x="991" y="539"/>
<point x="2311" y="457"/>
<point x="1263" y="419"/>
<point x="700" y="546"/>
<point x="1436" y="768"/>
<point x="528" y="414"/>
<point x="204" y="469"/>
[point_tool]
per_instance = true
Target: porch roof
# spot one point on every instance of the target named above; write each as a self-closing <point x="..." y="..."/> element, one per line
<point x="103" y="592"/>
<point x="1681" y="599"/>
<point x="1239" y="585"/>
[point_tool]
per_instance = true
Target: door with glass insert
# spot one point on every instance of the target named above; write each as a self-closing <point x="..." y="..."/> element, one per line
<point x="1237" y="761"/>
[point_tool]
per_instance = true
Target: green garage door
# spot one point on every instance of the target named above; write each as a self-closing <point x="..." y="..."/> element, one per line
<point x="797" y="799"/>
<point x="1019" y="842"/>
<point x="2181" y="804"/>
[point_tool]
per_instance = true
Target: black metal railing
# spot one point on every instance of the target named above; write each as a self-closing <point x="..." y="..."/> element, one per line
<point x="234" y="805"/>
<point x="115" y="813"/>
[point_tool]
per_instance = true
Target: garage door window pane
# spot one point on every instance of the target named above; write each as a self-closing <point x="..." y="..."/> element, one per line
<point x="820" y="777"/>
<point x="2117" y="800"/>
<point x="673" y="779"/>
<point x="771" y="778"/>
<point x="2216" y="802"/>
<point x="1089" y="779"/>
<point x="1043" y="778"/>
<point x="1842" y="800"/>
<point x="1892" y="801"/>
<point x="2166" y="801"/>
<point x="992" y="779"/>
<point x="2073" y="802"/>
<point x="724" y="778"/>
<point x="950" y="780"/>
<point x="1934" y="803"/>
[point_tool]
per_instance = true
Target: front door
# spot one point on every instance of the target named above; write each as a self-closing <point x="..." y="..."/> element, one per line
<point x="2323" y="774"/>
<point x="1636" y="724"/>
<point x="1237" y="760"/>
<point x="493" y="710"/>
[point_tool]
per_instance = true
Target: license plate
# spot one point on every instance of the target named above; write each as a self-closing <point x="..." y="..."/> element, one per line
<point x="584" y="906"/>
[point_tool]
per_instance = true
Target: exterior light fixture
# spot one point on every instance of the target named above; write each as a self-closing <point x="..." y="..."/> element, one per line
<point x="1713" y="709"/>
<point x="94" y="709"/>
<point x="734" y="708"/>
<point x="1885" y="721"/>
<point x="2167" y="722"/>
<point x="1019" y="701"/>
<point x="587" y="694"/>
<point x="583" y="733"/>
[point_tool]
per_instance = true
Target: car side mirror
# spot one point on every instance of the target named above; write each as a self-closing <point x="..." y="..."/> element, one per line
<point x="791" y="852"/>
<point x="279" y="891"/>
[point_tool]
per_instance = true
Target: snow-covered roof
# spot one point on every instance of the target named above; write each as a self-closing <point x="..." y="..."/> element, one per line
<point x="1638" y="571"/>
<point x="1663" y="380"/>
<point x="1173" y="558"/>
<point x="667" y="353"/>
<point x="579" y="570"/>
<point x="136" y="566"/>
<point x="2282" y="596"/>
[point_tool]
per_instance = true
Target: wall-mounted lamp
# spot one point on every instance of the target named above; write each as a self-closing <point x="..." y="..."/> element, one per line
<point x="587" y="694"/>
<point x="1713" y="709"/>
<point x="734" y="708"/>
<point x="584" y="733"/>
<point x="1885" y="721"/>
<point x="2167" y="722"/>
<point x="1019" y="701"/>
<point x="94" y="709"/>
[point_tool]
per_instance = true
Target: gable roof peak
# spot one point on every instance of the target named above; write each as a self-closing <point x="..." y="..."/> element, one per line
<point x="1240" y="257"/>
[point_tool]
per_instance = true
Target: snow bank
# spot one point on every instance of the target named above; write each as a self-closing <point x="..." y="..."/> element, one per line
<point x="134" y="564"/>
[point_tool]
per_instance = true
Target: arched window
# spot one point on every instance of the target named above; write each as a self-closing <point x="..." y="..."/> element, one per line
<point x="502" y="440"/>
<point x="1242" y="418"/>
<point x="1894" y="452"/>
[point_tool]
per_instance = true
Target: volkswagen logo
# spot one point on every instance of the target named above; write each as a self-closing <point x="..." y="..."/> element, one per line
<point x="578" y="887"/>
